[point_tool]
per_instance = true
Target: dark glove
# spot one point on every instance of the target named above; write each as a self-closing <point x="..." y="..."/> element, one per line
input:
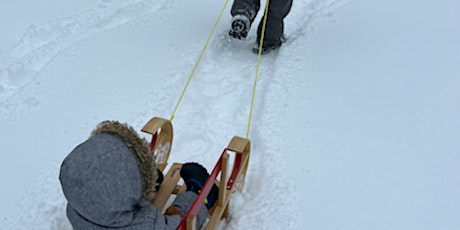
<point x="160" y="179"/>
<point x="194" y="176"/>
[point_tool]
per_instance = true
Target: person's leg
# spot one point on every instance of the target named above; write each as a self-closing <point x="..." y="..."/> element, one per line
<point x="277" y="11"/>
<point x="249" y="8"/>
<point x="244" y="12"/>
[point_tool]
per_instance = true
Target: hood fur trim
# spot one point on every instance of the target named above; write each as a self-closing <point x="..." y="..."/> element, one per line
<point x="141" y="149"/>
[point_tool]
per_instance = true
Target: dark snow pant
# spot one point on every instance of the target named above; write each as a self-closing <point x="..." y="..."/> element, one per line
<point x="277" y="11"/>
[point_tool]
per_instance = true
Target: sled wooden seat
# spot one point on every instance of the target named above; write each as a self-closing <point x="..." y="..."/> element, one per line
<point x="229" y="181"/>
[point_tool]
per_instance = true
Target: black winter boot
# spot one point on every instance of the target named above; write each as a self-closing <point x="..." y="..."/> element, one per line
<point x="269" y="46"/>
<point x="241" y="25"/>
<point x="194" y="176"/>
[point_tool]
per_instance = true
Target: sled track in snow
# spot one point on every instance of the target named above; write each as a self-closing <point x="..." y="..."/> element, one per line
<point x="40" y="44"/>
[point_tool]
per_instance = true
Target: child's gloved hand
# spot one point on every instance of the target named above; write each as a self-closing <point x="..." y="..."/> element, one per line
<point x="159" y="180"/>
<point x="194" y="176"/>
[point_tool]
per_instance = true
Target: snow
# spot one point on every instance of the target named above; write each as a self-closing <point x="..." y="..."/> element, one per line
<point x="355" y="122"/>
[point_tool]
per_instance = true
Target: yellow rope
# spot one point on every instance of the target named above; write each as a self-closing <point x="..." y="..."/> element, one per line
<point x="198" y="61"/>
<point x="261" y="43"/>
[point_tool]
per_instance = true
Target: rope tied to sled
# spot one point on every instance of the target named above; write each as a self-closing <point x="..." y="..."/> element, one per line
<point x="256" y="77"/>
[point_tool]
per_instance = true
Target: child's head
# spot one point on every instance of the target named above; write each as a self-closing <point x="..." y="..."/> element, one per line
<point x="107" y="175"/>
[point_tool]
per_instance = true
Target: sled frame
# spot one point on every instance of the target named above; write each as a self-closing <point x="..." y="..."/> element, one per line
<point x="162" y="137"/>
<point x="227" y="183"/>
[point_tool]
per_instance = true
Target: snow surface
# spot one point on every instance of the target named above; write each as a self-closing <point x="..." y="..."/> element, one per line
<point x="356" y="118"/>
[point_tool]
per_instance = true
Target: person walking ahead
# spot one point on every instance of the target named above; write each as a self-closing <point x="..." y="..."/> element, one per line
<point x="244" y="12"/>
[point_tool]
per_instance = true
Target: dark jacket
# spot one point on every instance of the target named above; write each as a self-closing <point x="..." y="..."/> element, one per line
<point x="109" y="182"/>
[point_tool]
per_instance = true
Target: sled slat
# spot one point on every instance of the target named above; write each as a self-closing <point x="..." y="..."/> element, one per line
<point x="191" y="222"/>
<point x="217" y="214"/>
<point x="239" y="145"/>
<point x="168" y="186"/>
<point x="223" y="178"/>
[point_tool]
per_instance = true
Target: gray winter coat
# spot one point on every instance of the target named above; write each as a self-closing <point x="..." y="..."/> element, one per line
<point x="109" y="182"/>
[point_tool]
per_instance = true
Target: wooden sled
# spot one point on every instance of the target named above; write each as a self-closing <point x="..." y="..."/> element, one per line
<point x="161" y="143"/>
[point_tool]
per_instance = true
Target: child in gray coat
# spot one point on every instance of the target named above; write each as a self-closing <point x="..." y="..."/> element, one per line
<point x="110" y="181"/>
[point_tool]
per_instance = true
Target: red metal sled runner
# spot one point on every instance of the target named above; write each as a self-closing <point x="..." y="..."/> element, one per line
<point x="162" y="136"/>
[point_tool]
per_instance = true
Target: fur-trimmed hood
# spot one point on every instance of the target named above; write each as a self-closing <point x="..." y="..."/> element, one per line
<point x="140" y="147"/>
<point x="109" y="178"/>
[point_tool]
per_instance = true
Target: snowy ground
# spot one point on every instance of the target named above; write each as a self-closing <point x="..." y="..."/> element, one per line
<point x="355" y="122"/>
